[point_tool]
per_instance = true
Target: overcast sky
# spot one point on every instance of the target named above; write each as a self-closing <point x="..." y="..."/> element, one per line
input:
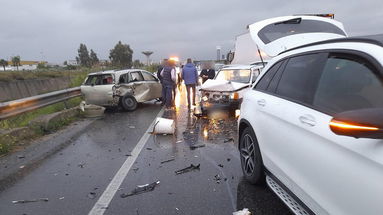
<point x="52" y="30"/>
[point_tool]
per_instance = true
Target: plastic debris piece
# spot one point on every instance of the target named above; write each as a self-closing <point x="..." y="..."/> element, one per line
<point x="229" y="140"/>
<point x="21" y="167"/>
<point x="136" y="169"/>
<point x="127" y="155"/>
<point x="244" y="211"/>
<point x="217" y="179"/>
<point x="177" y="209"/>
<point x="192" y="147"/>
<point x="228" y="160"/>
<point x="61" y="198"/>
<point x="179" y="141"/>
<point x="81" y="165"/>
<point x="20" y="156"/>
<point x="141" y="189"/>
<point x="187" y="169"/>
<point x="132" y="126"/>
<point x="220" y="165"/>
<point x="92" y="195"/>
<point x="149" y="148"/>
<point x="165" y="161"/>
<point x="28" y="201"/>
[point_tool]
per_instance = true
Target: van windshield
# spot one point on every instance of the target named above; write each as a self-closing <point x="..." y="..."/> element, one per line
<point x="102" y="79"/>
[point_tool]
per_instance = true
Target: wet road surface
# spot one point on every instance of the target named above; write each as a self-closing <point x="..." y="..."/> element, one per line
<point x="75" y="178"/>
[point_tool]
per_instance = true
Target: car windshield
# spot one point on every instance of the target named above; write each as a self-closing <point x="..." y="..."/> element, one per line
<point x="236" y="75"/>
<point x="102" y="79"/>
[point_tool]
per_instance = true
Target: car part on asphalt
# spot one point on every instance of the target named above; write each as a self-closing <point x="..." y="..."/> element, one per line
<point x="192" y="147"/>
<point x="32" y="200"/>
<point x="163" y="126"/>
<point x="188" y="169"/>
<point x="244" y="211"/>
<point x="92" y="195"/>
<point x="141" y="189"/>
<point x="92" y="111"/>
<point x="165" y="161"/>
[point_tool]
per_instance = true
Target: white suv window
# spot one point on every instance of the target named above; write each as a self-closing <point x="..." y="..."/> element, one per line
<point x="348" y="83"/>
<point x="148" y="76"/>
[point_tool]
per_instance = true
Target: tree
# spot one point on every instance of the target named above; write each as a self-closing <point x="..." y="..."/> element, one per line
<point x="83" y="56"/>
<point x="121" y="55"/>
<point x="3" y="63"/>
<point x="93" y="58"/>
<point x="16" y="61"/>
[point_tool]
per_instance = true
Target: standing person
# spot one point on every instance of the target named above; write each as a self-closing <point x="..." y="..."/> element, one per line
<point x="168" y="75"/>
<point x="207" y="73"/>
<point x="190" y="77"/>
<point x="159" y="70"/>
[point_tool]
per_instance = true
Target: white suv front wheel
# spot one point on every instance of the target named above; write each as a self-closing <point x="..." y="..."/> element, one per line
<point x="251" y="160"/>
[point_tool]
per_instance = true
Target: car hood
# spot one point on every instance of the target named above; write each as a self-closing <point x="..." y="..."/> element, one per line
<point x="222" y="86"/>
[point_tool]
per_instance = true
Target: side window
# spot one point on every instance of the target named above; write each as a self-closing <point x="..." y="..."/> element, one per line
<point x="265" y="81"/>
<point x="124" y="78"/>
<point x="348" y="82"/>
<point x="300" y="76"/>
<point x="99" y="80"/>
<point x="136" y="76"/>
<point x="148" y="76"/>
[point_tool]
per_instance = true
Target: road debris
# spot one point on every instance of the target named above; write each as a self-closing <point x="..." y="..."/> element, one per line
<point x="165" y="161"/>
<point x="192" y="147"/>
<point x="91" y="195"/>
<point x="149" y="148"/>
<point x="22" y="167"/>
<point x="244" y="211"/>
<point x="81" y="165"/>
<point x="132" y="126"/>
<point x="28" y="201"/>
<point x="127" y="155"/>
<point x="228" y="160"/>
<point x="220" y="165"/>
<point x="61" y="198"/>
<point x="230" y="139"/>
<point x="136" y="169"/>
<point x="187" y="169"/>
<point x="217" y="179"/>
<point x="20" y="156"/>
<point x="141" y="189"/>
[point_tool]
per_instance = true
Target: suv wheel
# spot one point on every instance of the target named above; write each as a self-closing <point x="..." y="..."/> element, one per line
<point x="129" y="103"/>
<point x="251" y="160"/>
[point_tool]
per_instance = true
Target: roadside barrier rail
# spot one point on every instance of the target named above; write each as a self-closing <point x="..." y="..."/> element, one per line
<point x="19" y="106"/>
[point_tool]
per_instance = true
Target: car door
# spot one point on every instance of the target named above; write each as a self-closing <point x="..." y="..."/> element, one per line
<point x="97" y="89"/>
<point x="139" y="86"/>
<point x="276" y="35"/>
<point x="154" y="85"/>
<point x="280" y="117"/>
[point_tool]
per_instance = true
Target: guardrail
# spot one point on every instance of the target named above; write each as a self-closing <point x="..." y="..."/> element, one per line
<point x="15" y="107"/>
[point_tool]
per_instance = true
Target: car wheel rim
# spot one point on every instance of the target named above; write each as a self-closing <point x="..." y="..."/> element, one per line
<point x="129" y="102"/>
<point x="248" y="154"/>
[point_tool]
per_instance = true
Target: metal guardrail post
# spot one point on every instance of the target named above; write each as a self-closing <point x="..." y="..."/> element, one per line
<point x="13" y="108"/>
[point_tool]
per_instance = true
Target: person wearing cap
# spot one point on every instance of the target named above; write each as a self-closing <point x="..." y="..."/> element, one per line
<point x="190" y="77"/>
<point x="168" y="75"/>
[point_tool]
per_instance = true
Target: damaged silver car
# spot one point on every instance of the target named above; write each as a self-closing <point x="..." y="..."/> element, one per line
<point x="125" y="88"/>
<point x="225" y="91"/>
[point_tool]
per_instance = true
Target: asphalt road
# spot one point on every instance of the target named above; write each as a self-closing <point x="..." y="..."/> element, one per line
<point x="75" y="178"/>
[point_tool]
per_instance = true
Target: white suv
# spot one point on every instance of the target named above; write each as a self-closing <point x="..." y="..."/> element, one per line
<point x="312" y="126"/>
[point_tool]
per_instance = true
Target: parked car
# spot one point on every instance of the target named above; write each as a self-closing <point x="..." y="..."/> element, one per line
<point x="125" y="88"/>
<point x="312" y="126"/>
<point x="225" y="91"/>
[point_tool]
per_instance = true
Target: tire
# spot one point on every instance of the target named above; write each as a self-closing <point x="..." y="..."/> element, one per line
<point x="251" y="159"/>
<point x="129" y="103"/>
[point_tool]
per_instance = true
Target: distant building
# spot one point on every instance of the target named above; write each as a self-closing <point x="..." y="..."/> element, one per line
<point x="24" y="65"/>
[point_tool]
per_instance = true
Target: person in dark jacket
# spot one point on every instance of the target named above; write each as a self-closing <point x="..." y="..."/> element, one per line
<point x="207" y="73"/>
<point x="159" y="70"/>
<point x="190" y="77"/>
<point x="168" y="75"/>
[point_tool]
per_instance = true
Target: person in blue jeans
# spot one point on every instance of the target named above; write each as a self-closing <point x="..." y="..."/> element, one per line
<point x="190" y="77"/>
<point x="168" y="75"/>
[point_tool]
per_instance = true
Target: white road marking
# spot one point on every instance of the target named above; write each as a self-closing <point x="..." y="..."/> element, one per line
<point x="107" y="196"/>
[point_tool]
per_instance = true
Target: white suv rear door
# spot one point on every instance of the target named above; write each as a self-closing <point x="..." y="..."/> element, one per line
<point x="276" y="35"/>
